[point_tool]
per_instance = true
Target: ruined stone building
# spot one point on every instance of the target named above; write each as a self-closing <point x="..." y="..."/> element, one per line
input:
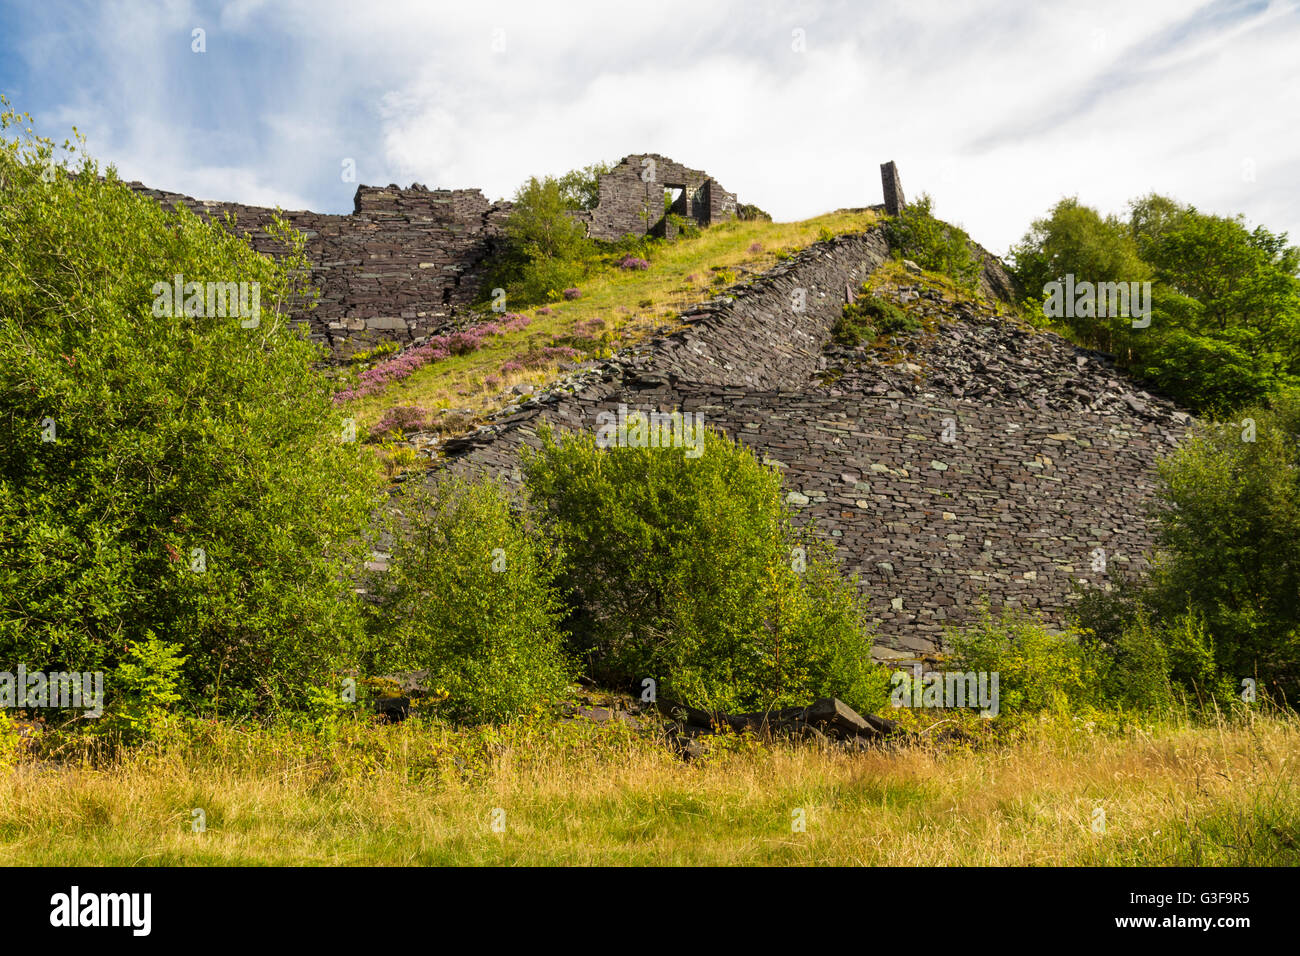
<point x="405" y="261"/>
<point x="632" y="200"/>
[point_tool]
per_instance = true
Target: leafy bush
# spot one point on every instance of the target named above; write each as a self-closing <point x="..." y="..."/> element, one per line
<point x="546" y="249"/>
<point x="176" y="475"/>
<point x="1151" y="659"/>
<point x="688" y="570"/>
<point x="869" y="316"/>
<point x="147" y="687"/>
<point x="1038" y="670"/>
<point x="1230" y="543"/>
<point x="917" y="235"/>
<point x="1224" y="328"/>
<point x="580" y="188"/>
<point x="686" y="228"/>
<point x="469" y="596"/>
<point x="1075" y="239"/>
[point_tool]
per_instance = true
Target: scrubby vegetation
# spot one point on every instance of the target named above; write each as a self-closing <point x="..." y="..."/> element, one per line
<point x="471" y="600"/>
<point x="932" y="244"/>
<point x="186" y="507"/>
<point x="871" y="316"/>
<point x="169" y="476"/>
<point x="684" y="568"/>
<point x="1224" y="324"/>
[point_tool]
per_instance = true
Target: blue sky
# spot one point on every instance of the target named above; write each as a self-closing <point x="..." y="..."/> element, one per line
<point x="996" y="109"/>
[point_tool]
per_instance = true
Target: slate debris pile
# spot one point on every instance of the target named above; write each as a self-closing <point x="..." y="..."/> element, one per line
<point x="974" y="354"/>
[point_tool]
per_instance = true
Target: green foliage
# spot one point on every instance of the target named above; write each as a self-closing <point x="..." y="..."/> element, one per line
<point x="934" y="245"/>
<point x="748" y="212"/>
<point x="1038" y="670"/>
<point x="686" y="228"/>
<point x="10" y="742"/>
<point x="546" y="250"/>
<point x="377" y="352"/>
<point x="1075" y="239"/>
<point x="1153" y="657"/>
<point x="178" y="475"/>
<point x="580" y="188"/>
<point x="868" y="317"/>
<point x="688" y="570"/>
<point x="1225" y="301"/>
<point x="146" y="687"/>
<point x="1230" y="543"/>
<point x="469" y="597"/>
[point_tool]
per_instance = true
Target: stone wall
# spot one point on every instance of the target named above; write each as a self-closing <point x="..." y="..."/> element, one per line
<point x="979" y="459"/>
<point x="397" y="268"/>
<point x="632" y="197"/>
<point x="406" y="261"/>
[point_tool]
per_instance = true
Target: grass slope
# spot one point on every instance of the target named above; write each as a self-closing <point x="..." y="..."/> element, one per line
<point x="633" y="305"/>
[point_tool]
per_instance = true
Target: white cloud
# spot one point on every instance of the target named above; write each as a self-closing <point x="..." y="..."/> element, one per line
<point x="997" y="109"/>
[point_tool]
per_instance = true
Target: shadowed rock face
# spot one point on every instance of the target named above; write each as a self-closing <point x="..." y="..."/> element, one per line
<point x="978" y="458"/>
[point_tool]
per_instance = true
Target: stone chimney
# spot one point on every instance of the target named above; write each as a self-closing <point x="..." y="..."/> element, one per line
<point x="893" y="188"/>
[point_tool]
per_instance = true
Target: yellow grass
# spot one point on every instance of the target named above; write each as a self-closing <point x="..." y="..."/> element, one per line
<point x="632" y="304"/>
<point x="1172" y="793"/>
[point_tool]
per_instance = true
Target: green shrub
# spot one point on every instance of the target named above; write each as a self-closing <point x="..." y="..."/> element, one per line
<point x="546" y="250"/>
<point x="870" y="316"/>
<point x="1038" y="670"/>
<point x="469" y="596"/>
<point x="688" y="570"/>
<point x="1229" y="538"/>
<point x="144" y="690"/>
<point x="1152" y="658"/>
<point x="917" y="235"/>
<point x="686" y="228"/>
<point x="175" y="475"/>
<point x="1138" y="667"/>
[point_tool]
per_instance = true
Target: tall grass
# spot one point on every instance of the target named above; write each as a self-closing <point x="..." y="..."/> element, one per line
<point x="1178" y="791"/>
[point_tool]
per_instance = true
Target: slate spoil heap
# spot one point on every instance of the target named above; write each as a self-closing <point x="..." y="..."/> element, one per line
<point x="976" y="460"/>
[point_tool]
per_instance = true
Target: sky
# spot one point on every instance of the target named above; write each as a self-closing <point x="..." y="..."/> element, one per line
<point x="995" y="109"/>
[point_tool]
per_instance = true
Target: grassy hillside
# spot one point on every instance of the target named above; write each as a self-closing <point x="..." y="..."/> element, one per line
<point x="617" y="308"/>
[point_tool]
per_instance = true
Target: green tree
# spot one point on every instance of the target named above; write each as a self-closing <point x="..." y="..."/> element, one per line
<point x="1230" y="542"/>
<point x="1074" y="239"/>
<point x="167" y="473"/>
<point x="916" y="234"/>
<point x="470" y="598"/>
<point x="546" y="249"/>
<point x="580" y="188"/>
<point x="687" y="570"/>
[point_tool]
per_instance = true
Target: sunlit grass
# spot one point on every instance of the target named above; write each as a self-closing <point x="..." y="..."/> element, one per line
<point x="1173" y="793"/>
<point x="632" y="304"/>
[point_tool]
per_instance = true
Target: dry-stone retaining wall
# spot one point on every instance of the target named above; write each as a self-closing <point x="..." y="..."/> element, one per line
<point x="978" y="459"/>
<point x="396" y="269"/>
